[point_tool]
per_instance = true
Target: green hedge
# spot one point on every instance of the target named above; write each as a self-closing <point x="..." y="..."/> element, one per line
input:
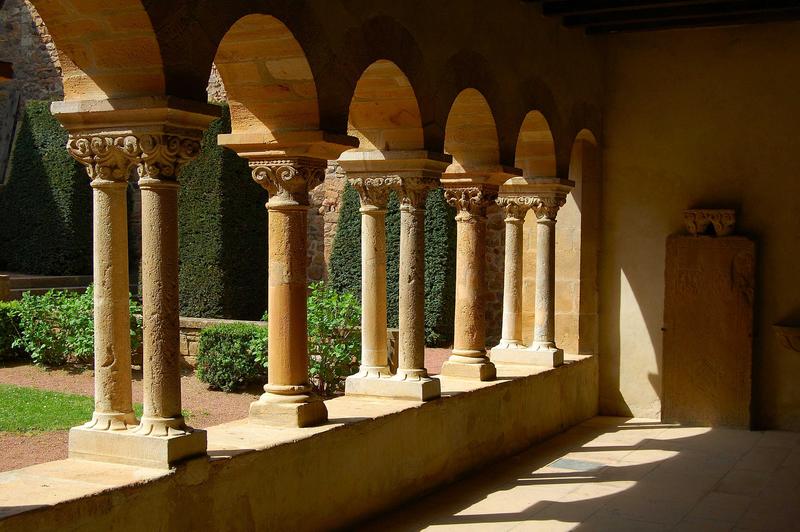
<point x="345" y="263"/>
<point x="46" y="204"/>
<point x="223" y="234"/>
<point x="9" y="330"/>
<point x="232" y="355"/>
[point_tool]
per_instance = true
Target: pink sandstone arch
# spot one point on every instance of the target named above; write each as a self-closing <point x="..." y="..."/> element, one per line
<point x="107" y="49"/>
<point x="384" y="113"/>
<point x="267" y="77"/>
<point x="471" y="134"/>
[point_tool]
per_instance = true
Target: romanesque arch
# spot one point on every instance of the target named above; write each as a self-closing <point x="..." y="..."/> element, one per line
<point x="471" y="134"/>
<point x="106" y="51"/>
<point x="268" y="80"/>
<point x="384" y="113"/>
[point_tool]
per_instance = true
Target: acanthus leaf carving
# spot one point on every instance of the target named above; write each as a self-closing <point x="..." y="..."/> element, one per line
<point x="163" y="156"/>
<point x="515" y="207"/>
<point x="288" y="180"/>
<point x="546" y="207"/>
<point x="374" y="191"/>
<point x="470" y="202"/>
<point x="413" y="192"/>
<point x="106" y="158"/>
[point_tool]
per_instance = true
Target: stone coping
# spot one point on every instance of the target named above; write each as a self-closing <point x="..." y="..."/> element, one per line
<point x="365" y="454"/>
<point x="204" y="323"/>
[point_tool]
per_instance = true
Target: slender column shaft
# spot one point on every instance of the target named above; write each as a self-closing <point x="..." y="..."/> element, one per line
<point x="288" y="290"/>
<point x="411" y="303"/>
<point x="544" y="321"/>
<point x="470" y="319"/>
<point x="288" y="399"/>
<point x="112" y="346"/>
<point x="515" y="209"/>
<point x="512" y="284"/>
<point x="160" y="309"/>
<point x="374" y="354"/>
<point x="469" y="359"/>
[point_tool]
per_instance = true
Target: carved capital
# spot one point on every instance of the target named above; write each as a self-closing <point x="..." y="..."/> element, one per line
<point x="374" y="191"/>
<point x="546" y="207"/>
<point x="515" y="207"/>
<point x="163" y="156"/>
<point x="289" y="180"/>
<point x="413" y="192"/>
<point x="470" y="202"/>
<point x="106" y="158"/>
<point x="698" y="221"/>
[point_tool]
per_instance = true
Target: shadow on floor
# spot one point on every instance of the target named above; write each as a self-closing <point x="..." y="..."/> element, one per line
<point x="617" y="474"/>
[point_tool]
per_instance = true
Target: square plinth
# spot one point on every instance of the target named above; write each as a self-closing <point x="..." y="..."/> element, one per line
<point x="482" y="372"/>
<point x="127" y="447"/>
<point x="550" y="358"/>
<point x="409" y="389"/>
<point x="297" y="415"/>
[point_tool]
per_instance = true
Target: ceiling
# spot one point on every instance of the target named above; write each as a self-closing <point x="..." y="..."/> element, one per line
<point x="611" y="16"/>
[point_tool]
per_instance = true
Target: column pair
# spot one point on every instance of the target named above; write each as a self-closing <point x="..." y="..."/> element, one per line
<point x="161" y="437"/>
<point x="411" y="381"/>
<point x="545" y="198"/>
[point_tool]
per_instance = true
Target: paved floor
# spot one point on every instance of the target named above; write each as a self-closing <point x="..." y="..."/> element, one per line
<point x="617" y="474"/>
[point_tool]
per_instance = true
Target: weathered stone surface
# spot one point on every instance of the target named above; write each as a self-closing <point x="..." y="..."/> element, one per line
<point x="708" y="330"/>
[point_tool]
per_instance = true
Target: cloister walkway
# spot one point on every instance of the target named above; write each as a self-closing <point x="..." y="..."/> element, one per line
<point x="617" y="474"/>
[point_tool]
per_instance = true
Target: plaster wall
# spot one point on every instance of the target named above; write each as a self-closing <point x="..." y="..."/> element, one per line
<point x="705" y="117"/>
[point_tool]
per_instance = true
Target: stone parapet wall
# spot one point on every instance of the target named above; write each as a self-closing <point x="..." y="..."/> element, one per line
<point x="371" y="456"/>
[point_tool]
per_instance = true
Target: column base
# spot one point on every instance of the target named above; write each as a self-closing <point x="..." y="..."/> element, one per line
<point x="473" y="368"/>
<point x="550" y="357"/>
<point x="406" y="387"/>
<point x="128" y="447"/>
<point x="296" y="411"/>
<point x="510" y="344"/>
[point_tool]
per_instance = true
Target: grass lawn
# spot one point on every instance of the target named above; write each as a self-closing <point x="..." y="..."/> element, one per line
<point x="26" y="410"/>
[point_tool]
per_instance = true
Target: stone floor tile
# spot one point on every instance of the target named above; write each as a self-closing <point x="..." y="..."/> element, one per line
<point x="721" y="507"/>
<point x="743" y="482"/>
<point x="763" y="458"/>
<point x="779" y="438"/>
<point x="603" y="521"/>
<point x="702" y="525"/>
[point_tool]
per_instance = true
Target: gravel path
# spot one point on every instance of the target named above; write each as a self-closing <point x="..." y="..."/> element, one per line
<point x="206" y="407"/>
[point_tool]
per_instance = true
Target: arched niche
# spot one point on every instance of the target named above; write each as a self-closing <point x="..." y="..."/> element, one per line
<point x="267" y="78"/>
<point x="384" y="114"/>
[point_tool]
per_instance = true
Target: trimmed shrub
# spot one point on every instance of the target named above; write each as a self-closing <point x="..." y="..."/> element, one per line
<point x="440" y="239"/>
<point x="9" y="330"/>
<point x="334" y="337"/>
<point x="223" y="233"/>
<point x="345" y="266"/>
<point x="46" y="205"/>
<point x="232" y="355"/>
<point x="57" y="327"/>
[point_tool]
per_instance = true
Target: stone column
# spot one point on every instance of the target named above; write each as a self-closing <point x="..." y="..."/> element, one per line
<point x="161" y="160"/>
<point x="545" y="207"/>
<point x="108" y="162"/>
<point x="514" y="209"/>
<point x="411" y="305"/>
<point x="469" y="359"/>
<point x="374" y="193"/>
<point x="288" y="400"/>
